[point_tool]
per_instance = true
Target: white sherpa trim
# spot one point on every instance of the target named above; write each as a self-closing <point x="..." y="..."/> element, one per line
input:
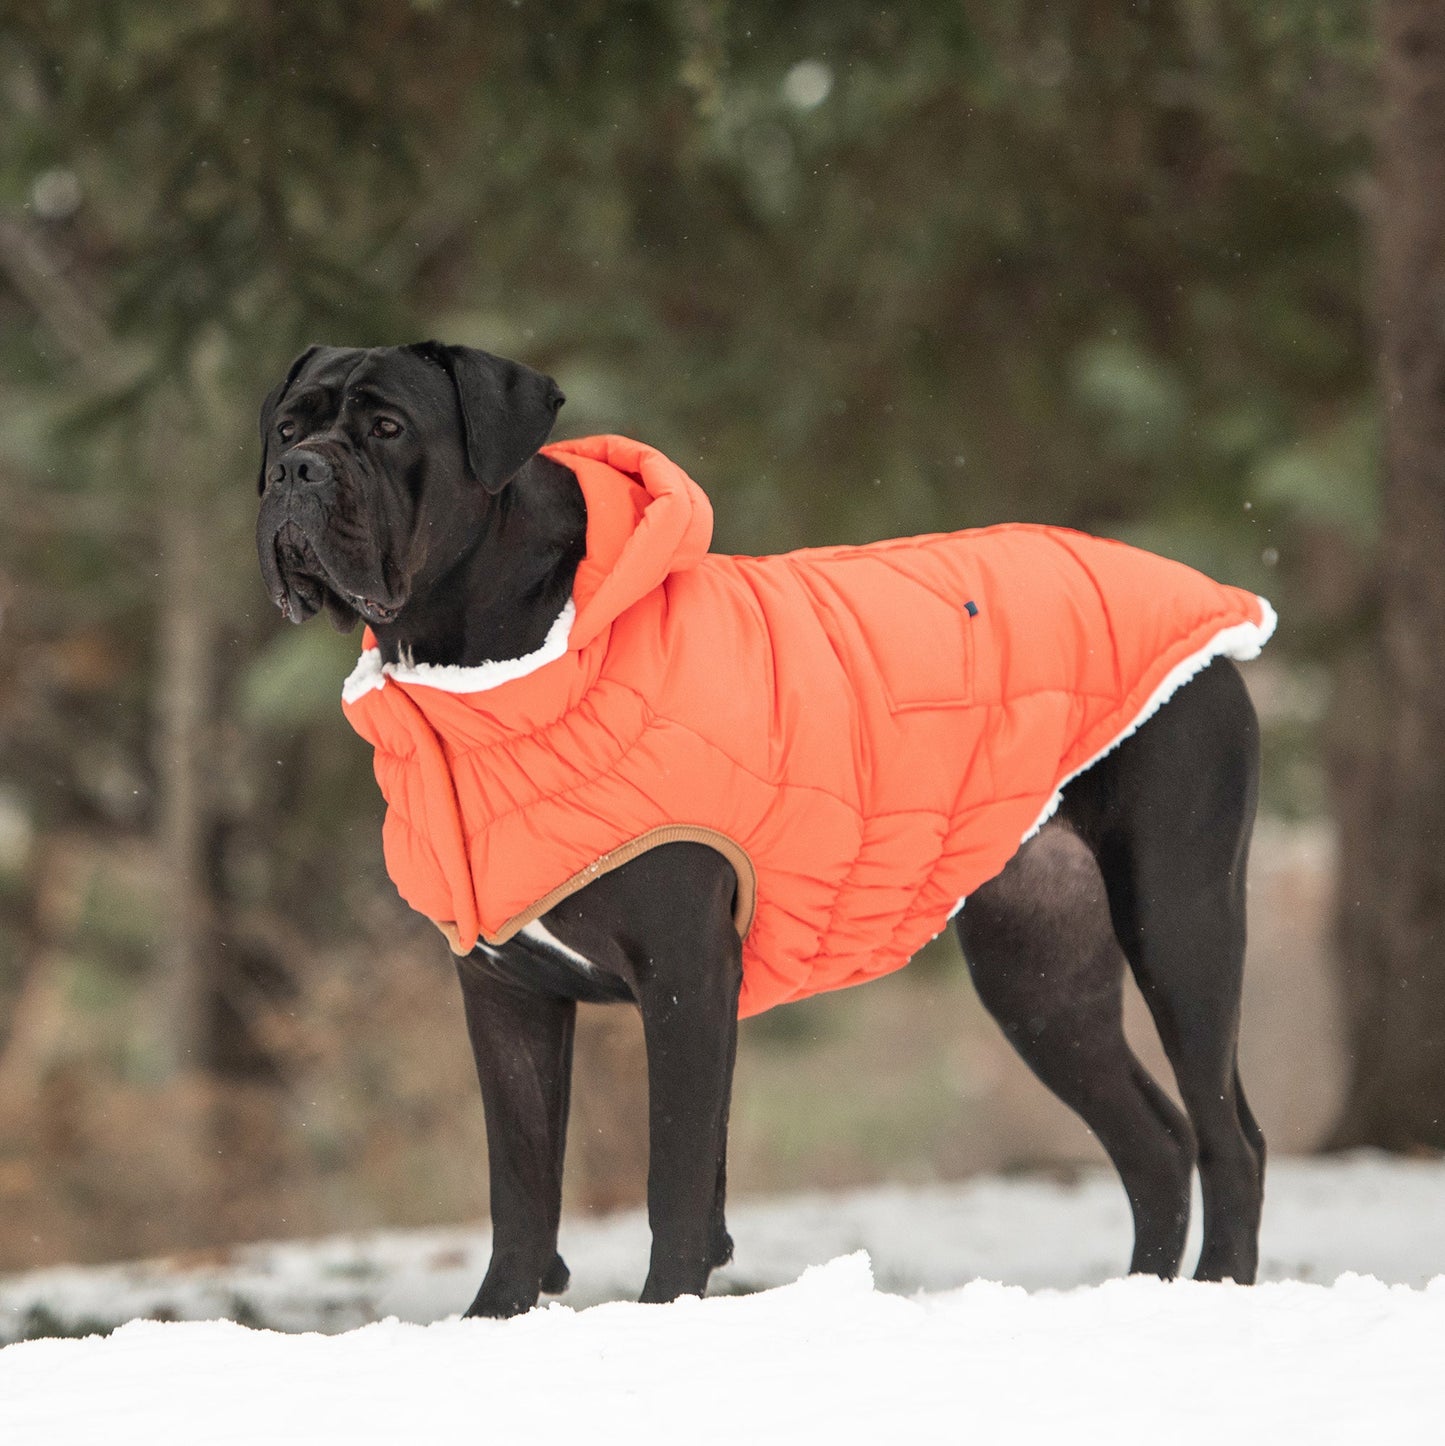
<point x="1241" y="642"/>
<point x="370" y="672"/>
<point x="365" y="676"/>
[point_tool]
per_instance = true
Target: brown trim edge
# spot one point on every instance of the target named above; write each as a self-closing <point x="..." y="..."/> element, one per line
<point x="733" y="852"/>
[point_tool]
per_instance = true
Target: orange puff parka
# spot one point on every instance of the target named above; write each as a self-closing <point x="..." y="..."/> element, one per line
<point x="866" y="733"/>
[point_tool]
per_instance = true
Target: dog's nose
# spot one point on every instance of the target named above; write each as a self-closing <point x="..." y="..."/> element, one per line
<point x="301" y="468"/>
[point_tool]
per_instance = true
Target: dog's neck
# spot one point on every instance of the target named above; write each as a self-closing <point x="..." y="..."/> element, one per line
<point x="500" y="598"/>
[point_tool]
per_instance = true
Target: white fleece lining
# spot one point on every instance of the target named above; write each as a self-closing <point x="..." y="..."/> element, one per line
<point x="1241" y="641"/>
<point x="370" y="672"/>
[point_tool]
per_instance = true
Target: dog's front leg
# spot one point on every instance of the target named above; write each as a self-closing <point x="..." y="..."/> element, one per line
<point x="522" y="1043"/>
<point x="689" y="999"/>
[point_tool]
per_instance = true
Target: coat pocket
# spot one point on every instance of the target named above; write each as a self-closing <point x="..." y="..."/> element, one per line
<point x="909" y="619"/>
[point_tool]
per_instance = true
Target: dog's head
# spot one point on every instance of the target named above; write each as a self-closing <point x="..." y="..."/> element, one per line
<point x="378" y="467"/>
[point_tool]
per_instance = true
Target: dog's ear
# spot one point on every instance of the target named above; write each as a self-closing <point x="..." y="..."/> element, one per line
<point x="273" y="400"/>
<point x="507" y="409"/>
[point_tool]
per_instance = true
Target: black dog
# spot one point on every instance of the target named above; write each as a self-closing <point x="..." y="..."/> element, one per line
<point x="403" y="485"/>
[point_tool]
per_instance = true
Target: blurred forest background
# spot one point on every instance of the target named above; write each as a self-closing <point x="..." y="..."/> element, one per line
<point x="863" y="271"/>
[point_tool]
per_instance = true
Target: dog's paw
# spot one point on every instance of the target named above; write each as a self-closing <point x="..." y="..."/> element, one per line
<point x="497" y="1301"/>
<point x="556" y="1278"/>
<point x="500" y="1297"/>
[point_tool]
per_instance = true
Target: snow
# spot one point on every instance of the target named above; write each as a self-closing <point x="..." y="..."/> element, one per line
<point x="1126" y="1361"/>
<point x="914" y="1347"/>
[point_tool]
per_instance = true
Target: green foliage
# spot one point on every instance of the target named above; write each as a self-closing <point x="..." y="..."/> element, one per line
<point x="293" y="681"/>
<point x="1139" y="399"/>
<point x="1328" y="477"/>
<point x="244" y="149"/>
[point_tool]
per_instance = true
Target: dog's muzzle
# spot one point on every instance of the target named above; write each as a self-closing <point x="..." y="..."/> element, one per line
<point x="304" y="567"/>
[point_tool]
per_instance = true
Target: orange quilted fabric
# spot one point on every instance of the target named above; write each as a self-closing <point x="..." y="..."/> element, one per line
<point x="868" y="733"/>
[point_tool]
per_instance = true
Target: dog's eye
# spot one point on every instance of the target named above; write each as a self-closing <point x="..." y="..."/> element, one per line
<point x="286" y="431"/>
<point x="385" y="427"/>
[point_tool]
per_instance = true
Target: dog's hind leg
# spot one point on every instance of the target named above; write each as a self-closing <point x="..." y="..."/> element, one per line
<point x="1169" y="815"/>
<point x="1047" y="967"/>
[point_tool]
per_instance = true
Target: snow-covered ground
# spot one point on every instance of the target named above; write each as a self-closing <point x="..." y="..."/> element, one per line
<point x="921" y="1346"/>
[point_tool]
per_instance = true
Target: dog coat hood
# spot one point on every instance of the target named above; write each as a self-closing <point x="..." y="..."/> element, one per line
<point x="866" y="733"/>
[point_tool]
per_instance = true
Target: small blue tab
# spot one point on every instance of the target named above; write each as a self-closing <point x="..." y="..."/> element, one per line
<point x="972" y="608"/>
